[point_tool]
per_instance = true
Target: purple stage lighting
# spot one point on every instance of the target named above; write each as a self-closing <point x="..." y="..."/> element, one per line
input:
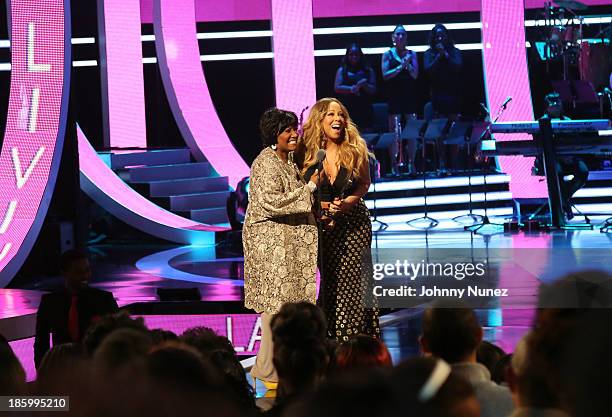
<point x="293" y="44"/>
<point x="122" y="79"/>
<point x="507" y="75"/>
<point x="35" y="124"/>
<point x="181" y="71"/>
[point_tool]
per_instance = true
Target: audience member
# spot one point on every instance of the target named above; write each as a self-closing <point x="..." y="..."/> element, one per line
<point x="584" y="363"/>
<point x="300" y="351"/>
<point x="12" y="375"/>
<point x="361" y="393"/>
<point x="428" y="387"/>
<point x="161" y="335"/>
<point x="61" y="367"/>
<point x="106" y="325"/>
<point x="362" y="351"/>
<point x="500" y="370"/>
<point x="535" y="389"/>
<point x="220" y="352"/>
<point x="68" y="313"/>
<point x="120" y="351"/>
<point x="451" y="332"/>
<point x="489" y="354"/>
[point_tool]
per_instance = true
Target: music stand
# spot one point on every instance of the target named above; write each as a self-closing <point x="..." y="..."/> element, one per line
<point x="385" y="140"/>
<point x="486" y="134"/>
<point x="373" y="163"/>
<point x="370" y="139"/>
<point x="434" y="130"/>
<point x="467" y="134"/>
<point x="413" y="130"/>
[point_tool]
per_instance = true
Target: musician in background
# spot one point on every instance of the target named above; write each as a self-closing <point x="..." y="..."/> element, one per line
<point x="356" y="82"/>
<point x="571" y="170"/>
<point x="443" y="64"/>
<point x="400" y="70"/>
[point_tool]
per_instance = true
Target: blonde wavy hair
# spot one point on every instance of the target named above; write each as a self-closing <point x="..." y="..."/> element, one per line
<point x="352" y="151"/>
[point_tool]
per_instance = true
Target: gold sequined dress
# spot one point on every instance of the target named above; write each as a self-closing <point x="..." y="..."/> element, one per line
<point x="279" y="236"/>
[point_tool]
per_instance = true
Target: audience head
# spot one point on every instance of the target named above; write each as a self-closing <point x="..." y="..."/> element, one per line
<point x="584" y="364"/>
<point x="399" y="37"/>
<point x="273" y="123"/>
<point x="63" y="365"/>
<point x="300" y="350"/>
<point x="12" y="375"/>
<point x="361" y="393"/>
<point x="572" y="296"/>
<point x="532" y="376"/>
<point x="220" y="352"/>
<point x="122" y="350"/>
<point x="96" y="333"/>
<point x="180" y="366"/>
<point x="75" y="268"/>
<point x="427" y="387"/>
<point x="362" y="351"/>
<point x="489" y="354"/>
<point x="500" y="370"/>
<point x="161" y="335"/>
<point x="451" y="331"/>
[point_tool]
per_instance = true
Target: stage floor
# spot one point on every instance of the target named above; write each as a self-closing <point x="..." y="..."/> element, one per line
<point x="521" y="262"/>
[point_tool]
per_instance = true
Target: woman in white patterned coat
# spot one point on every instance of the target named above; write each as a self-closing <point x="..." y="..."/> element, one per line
<point x="279" y="234"/>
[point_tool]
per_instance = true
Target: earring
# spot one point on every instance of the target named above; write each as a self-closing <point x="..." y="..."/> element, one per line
<point x="273" y="147"/>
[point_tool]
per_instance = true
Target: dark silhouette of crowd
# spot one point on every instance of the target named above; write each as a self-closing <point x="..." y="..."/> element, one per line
<point x="122" y="368"/>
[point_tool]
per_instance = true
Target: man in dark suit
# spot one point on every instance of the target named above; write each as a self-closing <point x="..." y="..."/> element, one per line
<point x="68" y="313"/>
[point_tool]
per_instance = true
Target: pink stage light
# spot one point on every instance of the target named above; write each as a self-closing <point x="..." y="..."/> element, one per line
<point x="293" y="47"/>
<point x="243" y="330"/>
<point x="108" y="190"/>
<point x="232" y="10"/>
<point x="507" y="75"/>
<point x="35" y="124"/>
<point x="123" y="105"/>
<point x="181" y="70"/>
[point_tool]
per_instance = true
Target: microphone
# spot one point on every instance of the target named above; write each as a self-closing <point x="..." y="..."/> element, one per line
<point x="320" y="158"/>
<point x="508" y="100"/>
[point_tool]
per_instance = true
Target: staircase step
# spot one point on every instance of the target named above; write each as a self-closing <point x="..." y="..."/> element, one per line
<point x="169" y="188"/>
<point x="169" y="172"/>
<point x="196" y="201"/>
<point x="210" y="215"/>
<point x="154" y="157"/>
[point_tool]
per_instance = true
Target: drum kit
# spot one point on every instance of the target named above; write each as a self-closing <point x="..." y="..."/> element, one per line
<point x="562" y="33"/>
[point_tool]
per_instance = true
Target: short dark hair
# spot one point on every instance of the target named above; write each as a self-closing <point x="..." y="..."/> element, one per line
<point x="70" y="257"/>
<point x="432" y="35"/>
<point x="300" y="350"/>
<point x="273" y="122"/>
<point x="451" y="330"/>
<point x="408" y="379"/>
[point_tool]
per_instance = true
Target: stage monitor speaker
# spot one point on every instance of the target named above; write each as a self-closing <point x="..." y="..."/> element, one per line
<point x="179" y="294"/>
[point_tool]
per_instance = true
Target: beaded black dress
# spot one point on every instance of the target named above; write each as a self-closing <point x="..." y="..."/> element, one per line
<point x="346" y="265"/>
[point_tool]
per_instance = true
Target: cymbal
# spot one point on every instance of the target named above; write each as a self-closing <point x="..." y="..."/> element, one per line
<point x="571" y="4"/>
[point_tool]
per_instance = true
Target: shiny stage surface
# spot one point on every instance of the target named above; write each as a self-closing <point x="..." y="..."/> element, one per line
<point x="521" y="262"/>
